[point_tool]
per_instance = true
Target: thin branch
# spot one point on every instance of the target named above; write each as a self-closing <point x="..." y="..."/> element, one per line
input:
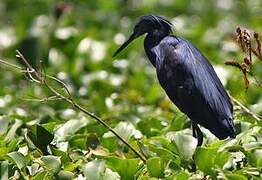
<point x="50" y="98"/>
<point x="38" y="78"/>
<point x="61" y="82"/>
<point x="9" y="64"/>
<point x="248" y="111"/>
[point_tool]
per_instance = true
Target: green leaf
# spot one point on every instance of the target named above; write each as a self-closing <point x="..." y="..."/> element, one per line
<point x="155" y="167"/>
<point x="40" y="137"/>
<point x="65" y="175"/>
<point x="12" y="131"/>
<point x="42" y="175"/>
<point x="52" y="163"/>
<point x="3" y="152"/>
<point x="65" y="131"/>
<point x="235" y="177"/>
<point x="4" y="170"/>
<point x="126" y="168"/>
<point x="150" y="127"/>
<point x="165" y="154"/>
<point x="186" y="145"/>
<point x="182" y="176"/>
<point x="78" y="141"/>
<point x="221" y="158"/>
<point x="64" y="155"/>
<point x="69" y="166"/>
<point x="255" y="157"/>
<point x="177" y="123"/>
<point x="96" y="170"/>
<point x="125" y="130"/>
<point x="4" y="121"/>
<point x="18" y="158"/>
<point x="204" y="158"/>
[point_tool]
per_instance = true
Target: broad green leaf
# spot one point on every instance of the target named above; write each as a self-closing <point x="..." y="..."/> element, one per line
<point x="65" y="131"/>
<point x="65" y="175"/>
<point x="165" y="154"/>
<point x="150" y="127"/>
<point x="186" y="145"/>
<point x="183" y="175"/>
<point x="14" y="143"/>
<point x="43" y="175"/>
<point x="111" y="143"/>
<point x="221" y="158"/>
<point x="40" y="137"/>
<point x="126" y="168"/>
<point x="12" y="131"/>
<point x="70" y="166"/>
<point x="4" y="121"/>
<point x="64" y="155"/>
<point x="4" y="170"/>
<point x="78" y="141"/>
<point x="255" y="157"/>
<point x="235" y="177"/>
<point x="96" y="170"/>
<point x="52" y="163"/>
<point x="177" y="123"/>
<point x="155" y="167"/>
<point x="18" y="158"/>
<point x="3" y="152"/>
<point x="204" y="158"/>
<point x="125" y="130"/>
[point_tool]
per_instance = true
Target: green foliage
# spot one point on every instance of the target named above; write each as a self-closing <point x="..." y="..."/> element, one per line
<point x="48" y="139"/>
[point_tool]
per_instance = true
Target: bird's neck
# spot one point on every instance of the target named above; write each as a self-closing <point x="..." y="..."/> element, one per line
<point x="153" y="39"/>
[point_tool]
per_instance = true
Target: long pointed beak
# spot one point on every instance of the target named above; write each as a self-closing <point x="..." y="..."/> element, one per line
<point x="130" y="39"/>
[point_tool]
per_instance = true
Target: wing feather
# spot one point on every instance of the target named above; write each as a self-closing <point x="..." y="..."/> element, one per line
<point x="192" y="84"/>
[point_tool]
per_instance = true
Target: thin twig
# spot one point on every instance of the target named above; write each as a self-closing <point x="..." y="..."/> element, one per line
<point x="248" y="111"/>
<point x="9" y="64"/>
<point x="61" y="82"/>
<point x="38" y="78"/>
<point x="51" y="98"/>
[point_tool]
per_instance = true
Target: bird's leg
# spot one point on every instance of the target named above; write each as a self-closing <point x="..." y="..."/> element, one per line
<point x="197" y="134"/>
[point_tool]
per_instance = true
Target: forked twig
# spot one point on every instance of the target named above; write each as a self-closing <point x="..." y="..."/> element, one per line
<point x="37" y="77"/>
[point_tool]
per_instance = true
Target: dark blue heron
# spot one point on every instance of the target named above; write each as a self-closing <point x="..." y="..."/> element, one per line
<point x="187" y="77"/>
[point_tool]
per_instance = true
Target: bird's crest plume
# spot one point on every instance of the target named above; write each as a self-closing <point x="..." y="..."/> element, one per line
<point x="163" y="23"/>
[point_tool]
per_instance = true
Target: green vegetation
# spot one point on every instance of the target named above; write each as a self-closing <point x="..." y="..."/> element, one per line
<point x="44" y="137"/>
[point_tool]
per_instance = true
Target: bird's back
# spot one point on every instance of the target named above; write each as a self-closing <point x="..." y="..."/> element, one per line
<point x="192" y="84"/>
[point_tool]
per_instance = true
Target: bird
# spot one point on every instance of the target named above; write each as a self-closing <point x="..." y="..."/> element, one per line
<point x="187" y="77"/>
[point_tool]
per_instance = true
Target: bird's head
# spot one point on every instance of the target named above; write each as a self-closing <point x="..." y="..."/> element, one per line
<point x="147" y="24"/>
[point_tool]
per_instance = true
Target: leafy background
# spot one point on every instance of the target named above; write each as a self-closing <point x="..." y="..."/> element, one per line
<point x="75" y="40"/>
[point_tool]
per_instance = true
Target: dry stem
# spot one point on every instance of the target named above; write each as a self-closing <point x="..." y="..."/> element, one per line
<point x="39" y="78"/>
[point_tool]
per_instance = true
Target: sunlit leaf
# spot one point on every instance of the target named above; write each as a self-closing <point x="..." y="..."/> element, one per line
<point x="126" y="168"/>
<point x="65" y="175"/>
<point x="235" y="177"/>
<point x="12" y="131"/>
<point x="96" y="170"/>
<point x="18" y="159"/>
<point x="204" y="158"/>
<point x="186" y="145"/>
<point x="4" y="124"/>
<point x="4" y="170"/>
<point x="155" y="167"/>
<point x="52" y="163"/>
